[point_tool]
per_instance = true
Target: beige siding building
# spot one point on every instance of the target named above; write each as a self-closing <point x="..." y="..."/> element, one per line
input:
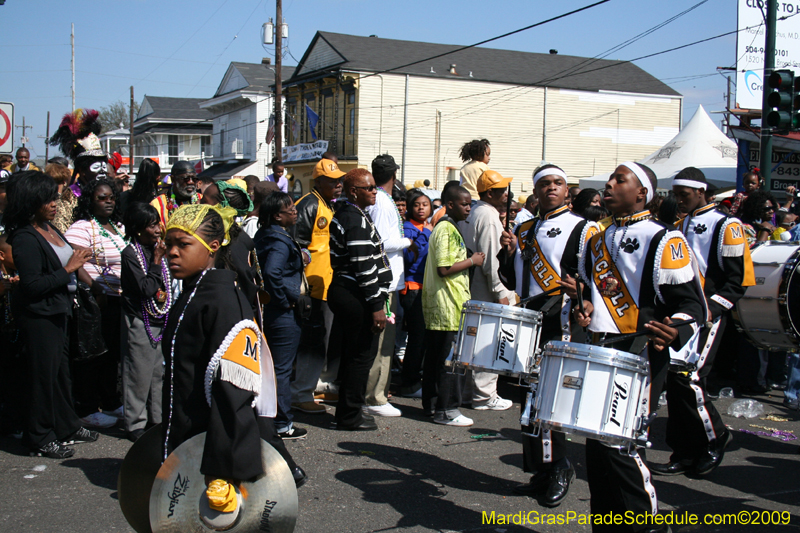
<point x="531" y="107"/>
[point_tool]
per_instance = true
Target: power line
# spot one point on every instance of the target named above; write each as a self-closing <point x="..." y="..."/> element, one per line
<point x="489" y="40"/>
<point x="226" y="48"/>
<point x="187" y="40"/>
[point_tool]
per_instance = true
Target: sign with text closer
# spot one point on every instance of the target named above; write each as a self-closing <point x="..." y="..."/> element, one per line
<point x="750" y="48"/>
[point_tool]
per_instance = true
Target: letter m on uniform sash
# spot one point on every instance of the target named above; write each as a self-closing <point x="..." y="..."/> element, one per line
<point x="736" y="232"/>
<point x="676" y="250"/>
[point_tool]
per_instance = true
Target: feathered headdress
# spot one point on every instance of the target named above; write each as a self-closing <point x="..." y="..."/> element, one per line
<point x="77" y="134"/>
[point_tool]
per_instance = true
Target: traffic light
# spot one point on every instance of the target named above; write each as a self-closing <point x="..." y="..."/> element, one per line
<point x="784" y="114"/>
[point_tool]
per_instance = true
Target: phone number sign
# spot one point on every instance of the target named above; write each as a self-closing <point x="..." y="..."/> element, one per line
<point x="788" y="173"/>
<point x="6" y="128"/>
<point x="750" y="48"/>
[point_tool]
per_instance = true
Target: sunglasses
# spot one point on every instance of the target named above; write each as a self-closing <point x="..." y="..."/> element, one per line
<point x="371" y="188"/>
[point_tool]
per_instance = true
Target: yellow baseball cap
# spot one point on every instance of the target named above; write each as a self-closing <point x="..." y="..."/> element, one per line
<point x="491" y="179"/>
<point x="327" y="168"/>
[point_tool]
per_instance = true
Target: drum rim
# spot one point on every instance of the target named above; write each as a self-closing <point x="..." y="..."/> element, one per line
<point x="503" y="310"/>
<point x="630" y="361"/>
<point x="589" y="434"/>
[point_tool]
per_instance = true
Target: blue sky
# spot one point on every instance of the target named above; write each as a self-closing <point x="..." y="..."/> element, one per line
<point x="182" y="48"/>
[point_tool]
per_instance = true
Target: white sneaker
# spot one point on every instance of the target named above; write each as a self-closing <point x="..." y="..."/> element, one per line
<point x="119" y="412"/>
<point x="326" y="386"/>
<point x="459" y="421"/>
<point x="99" y="420"/>
<point x="386" y="409"/>
<point x="495" y="404"/>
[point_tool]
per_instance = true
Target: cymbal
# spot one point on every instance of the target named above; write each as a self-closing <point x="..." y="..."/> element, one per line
<point x="178" y="501"/>
<point x="136" y="476"/>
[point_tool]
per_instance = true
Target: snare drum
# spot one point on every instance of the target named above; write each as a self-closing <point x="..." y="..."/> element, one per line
<point x="497" y="338"/>
<point x="769" y="312"/>
<point x="592" y="391"/>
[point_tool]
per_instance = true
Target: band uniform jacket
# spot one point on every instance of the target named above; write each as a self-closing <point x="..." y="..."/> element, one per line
<point x="233" y="444"/>
<point x="550" y="245"/>
<point x="723" y="257"/>
<point x="638" y="270"/>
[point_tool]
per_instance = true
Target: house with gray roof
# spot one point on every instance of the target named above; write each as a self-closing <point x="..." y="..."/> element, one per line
<point x="420" y="102"/>
<point x="169" y="129"/>
<point x="241" y="109"/>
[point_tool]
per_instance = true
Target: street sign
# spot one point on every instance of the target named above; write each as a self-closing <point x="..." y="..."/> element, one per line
<point x="6" y="128"/>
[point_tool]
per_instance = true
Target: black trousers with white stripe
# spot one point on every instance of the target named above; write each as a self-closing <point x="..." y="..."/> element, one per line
<point x="540" y="452"/>
<point x="693" y="420"/>
<point x="619" y="482"/>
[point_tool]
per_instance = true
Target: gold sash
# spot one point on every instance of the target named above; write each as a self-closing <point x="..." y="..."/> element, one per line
<point x="623" y="310"/>
<point x="543" y="273"/>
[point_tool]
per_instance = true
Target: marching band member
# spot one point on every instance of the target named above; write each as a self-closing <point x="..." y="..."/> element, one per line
<point x="641" y="278"/>
<point x="695" y="430"/>
<point x="545" y="251"/>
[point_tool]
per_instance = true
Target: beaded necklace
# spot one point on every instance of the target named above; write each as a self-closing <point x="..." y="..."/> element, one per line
<point x="101" y="249"/>
<point x="150" y="305"/>
<point x="374" y="232"/>
<point x="172" y="202"/>
<point x="397" y="212"/>
<point x="172" y="357"/>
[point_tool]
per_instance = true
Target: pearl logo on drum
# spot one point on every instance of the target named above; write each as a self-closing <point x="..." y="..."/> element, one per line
<point x="506" y="346"/>
<point x="620" y="393"/>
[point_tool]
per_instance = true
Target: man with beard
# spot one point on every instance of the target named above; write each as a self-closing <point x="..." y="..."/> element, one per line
<point x="183" y="191"/>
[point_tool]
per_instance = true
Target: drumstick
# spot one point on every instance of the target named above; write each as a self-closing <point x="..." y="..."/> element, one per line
<point x="640" y="333"/>
<point x="538" y="296"/>
<point x="508" y="208"/>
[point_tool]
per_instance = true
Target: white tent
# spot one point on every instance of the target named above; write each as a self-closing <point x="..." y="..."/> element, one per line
<point x="700" y="144"/>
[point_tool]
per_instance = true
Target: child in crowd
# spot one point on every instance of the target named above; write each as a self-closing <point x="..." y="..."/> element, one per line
<point x="418" y="230"/>
<point x="445" y="288"/>
<point x="211" y="341"/>
<point x="145" y="306"/>
<point x="12" y="366"/>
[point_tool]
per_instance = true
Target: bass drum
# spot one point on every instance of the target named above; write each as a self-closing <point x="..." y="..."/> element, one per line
<point x="769" y="312"/>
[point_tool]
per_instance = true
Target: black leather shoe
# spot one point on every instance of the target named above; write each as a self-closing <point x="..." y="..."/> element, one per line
<point x="559" y="486"/>
<point x="299" y="476"/>
<point x="536" y="486"/>
<point x="672" y="468"/>
<point x="365" y="416"/>
<point x="365" y="425"/>
<point x="711" y="460"/>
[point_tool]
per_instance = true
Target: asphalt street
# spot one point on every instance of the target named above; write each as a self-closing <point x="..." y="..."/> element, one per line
<point x="413" y="475"/>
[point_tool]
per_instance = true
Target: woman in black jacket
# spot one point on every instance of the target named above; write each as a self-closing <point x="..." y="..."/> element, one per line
<point x="46" y="265"/>
<point x="282" y="269"/>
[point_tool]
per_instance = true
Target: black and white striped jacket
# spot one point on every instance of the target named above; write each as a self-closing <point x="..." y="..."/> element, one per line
<point x="356" y="254"/>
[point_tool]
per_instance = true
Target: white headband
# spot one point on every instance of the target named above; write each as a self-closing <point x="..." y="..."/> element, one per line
<point x="550" y="171"/>
<point x="690" y="183"/>
<point x="643" y="179"/>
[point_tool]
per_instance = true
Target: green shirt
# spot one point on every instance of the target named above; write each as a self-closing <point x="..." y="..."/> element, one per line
<point x="443" y="296"/>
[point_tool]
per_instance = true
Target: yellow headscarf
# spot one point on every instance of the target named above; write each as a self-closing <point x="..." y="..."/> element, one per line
<point x="188" y="218"/>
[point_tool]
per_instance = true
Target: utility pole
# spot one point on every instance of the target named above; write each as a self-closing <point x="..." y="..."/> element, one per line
<point x="278" y="79"/>
<point x="47" y="140"/>
<point x="130" y="149"/>
<point x="72" y="40"/>
<point x="24" y="139"/>
<point x="769" y="66"/>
